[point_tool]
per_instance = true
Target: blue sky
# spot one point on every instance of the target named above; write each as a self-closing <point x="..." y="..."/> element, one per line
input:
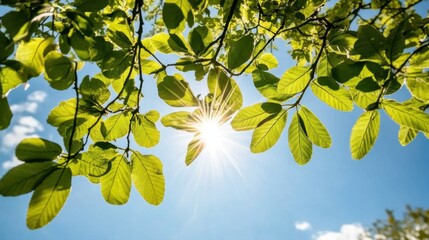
<point x="236" y="196"/>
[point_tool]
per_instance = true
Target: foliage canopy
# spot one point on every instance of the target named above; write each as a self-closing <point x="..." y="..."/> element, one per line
<point x="351" y="54"/>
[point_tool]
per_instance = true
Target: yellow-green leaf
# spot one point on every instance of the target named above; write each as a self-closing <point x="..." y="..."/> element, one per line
<point x="364" y="133"/>
<point x="147" y="176"/>
<point x="116" y="184"/>
<point x="32" y="54"/>
<point x="145" y="132"/>
<point x="315" y="129"/>
<point x="48" y="198"/>
<point x="294" y="80"/>
<point x="24" y="178"/>
<point x="332" y="94"/>
<point x="406" y="135"/>
<point x="299" y="144"/>
<point x="116" y="126"/>
<point x="249" y="117"/>
<point x="195" y="147"/>
<point x="268" y="132"/>
<point x="406" y="116"/>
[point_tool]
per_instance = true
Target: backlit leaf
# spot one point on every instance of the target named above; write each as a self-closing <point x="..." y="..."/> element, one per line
<point x="116" y="184"/>
<point x="145" y="132"/>
<point x="364" y="133"/>
<point x="37" y="149"/>
<point x="24" y="178"/>
<point x="406" y="116"/>
<point x="299" y="144"/>
<point x="249" y="117"/>
<point x="240" y="51"/>
<point x="147" y="176"/>
<point x="294" y="80"/>
<point x="32" y="54"/>
<point x="268" y="132"/>
<point x="315" y="129"/>
<point x="116" y="126"/>
<point x="329" y="92"/>
<point x="406" y="135"/>
<point x="266" y="83"/>
<point x="195" y="147"/>
<point x="48" y="198"/>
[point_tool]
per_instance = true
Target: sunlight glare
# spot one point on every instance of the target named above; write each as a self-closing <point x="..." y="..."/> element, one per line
<point x="211" y="132"/>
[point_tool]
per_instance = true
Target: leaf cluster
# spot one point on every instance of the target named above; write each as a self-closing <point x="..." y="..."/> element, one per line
<point x="347" y="59"/>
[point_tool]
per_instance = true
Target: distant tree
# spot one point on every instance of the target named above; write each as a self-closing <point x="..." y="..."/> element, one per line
<point x="413" y="226"/>
<point x="353" y="53"/>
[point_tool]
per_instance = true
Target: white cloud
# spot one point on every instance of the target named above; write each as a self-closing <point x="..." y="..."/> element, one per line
<point x="12" y="163"/>
<point x="37" y="96"/>
<point x="302" y="226"/>
<point x="24" y="107"/>
<point x="32" y="103"/>
<point x="347" y="232"/>
<point x="27" y="127"/>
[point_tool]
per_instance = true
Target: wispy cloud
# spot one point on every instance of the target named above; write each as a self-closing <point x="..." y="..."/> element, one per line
<point x="302" y="226"/>
<point x="11" y="163"/>
<point x="23" y="126"/>
<point x="32" y="103"/>
<point x="347" y="232"/>
<point x="37" y="96"/>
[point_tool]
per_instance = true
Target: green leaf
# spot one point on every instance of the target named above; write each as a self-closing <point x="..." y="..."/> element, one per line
<point x="266" y="61"/>
<point x="266" y="83"/>
<point x="225" y="91"/>
<point x="364" y="133"/>
<point x="160" y="42"/>
<point x="365" y="100"/>
<point x="24" y="178"/>
<point x="120" y="34"/>
<point x="37" y="149"/>
<point x="65" y="111"/>
<point x="175" y="91"/>
<point x="31" y="54"/>
<point x="315" y="129"/>
<point x="347" y="71"/>
<point x="268" y="132"/>
<point x="147" y="177"/>
<point x="173" y="16"/>
<point x="59" y="71"/>
<point x="299" y="144"/>
<point x="406" y="135"/>
<point x="149" y="66"/>
<point x="179" y="120"/>
<point x="195" y="147"/>
<point x="199" y="38"/>
<point x="329" y="92"/>
<point x="249" y="117"/>
<point x="144" y="131"/>
<point x="90" y="5"/>
<point x="116" y="126"/>
<point x="6" y="115"/>
<point x="8" y="47"/>
<point x="10" y="78"/>
<point x="396" y="42"/>
<point x="418" y="84"/>
<point x="294" y="80"/>
<point x="116" y="184"/>
<point x="370" y="44"/>
<point x="48" y="198"/>
<point x="240" y="51"/>
<point x="94" y="90"/>
<point x="91" y="164"/>
<point x="406" y="116"/>
<point x="17" y="24"/>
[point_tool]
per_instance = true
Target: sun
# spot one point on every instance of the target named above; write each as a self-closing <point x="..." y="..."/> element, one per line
<point x="211" y="132"/>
